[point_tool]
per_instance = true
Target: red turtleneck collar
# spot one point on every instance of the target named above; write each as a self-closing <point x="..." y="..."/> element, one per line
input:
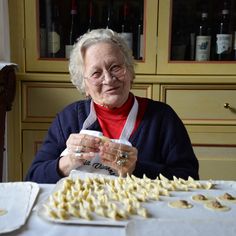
<point x="112" y="121"/>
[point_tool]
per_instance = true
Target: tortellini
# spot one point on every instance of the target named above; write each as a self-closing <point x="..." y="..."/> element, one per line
<point x="115" y="198"/>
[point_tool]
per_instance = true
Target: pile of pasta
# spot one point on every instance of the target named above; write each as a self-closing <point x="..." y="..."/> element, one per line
<point x="114" y="198"/>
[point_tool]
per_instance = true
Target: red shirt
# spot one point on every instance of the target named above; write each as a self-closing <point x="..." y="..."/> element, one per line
<point x="112" y="121"/>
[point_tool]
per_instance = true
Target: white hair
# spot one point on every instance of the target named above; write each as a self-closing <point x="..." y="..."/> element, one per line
<point x="76" y="63"/>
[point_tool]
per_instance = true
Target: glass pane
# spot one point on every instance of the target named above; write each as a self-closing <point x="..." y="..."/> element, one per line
<point x="203" y="30"/>
<point x="62" y="22"/>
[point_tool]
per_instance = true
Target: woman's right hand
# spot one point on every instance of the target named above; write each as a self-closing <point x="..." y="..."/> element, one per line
<point x="80" y="147"/>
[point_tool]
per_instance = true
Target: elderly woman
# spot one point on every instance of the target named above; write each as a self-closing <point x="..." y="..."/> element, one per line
<point x="112" y="131"/>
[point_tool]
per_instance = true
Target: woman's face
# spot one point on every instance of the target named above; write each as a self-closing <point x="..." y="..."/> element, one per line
<point x="101" y="60"/>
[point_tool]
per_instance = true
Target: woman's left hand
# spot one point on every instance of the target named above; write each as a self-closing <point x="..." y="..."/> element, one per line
<point x="119" y="157"/>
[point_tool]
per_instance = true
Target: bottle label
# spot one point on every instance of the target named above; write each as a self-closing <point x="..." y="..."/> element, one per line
<point x="53" y="42"/>
<point x="203" y="45"/>
<point x="141" y="53"/>
<point x="128" y="37"/>
<point x="223" y="43"/>
<point x="68" y="50"/>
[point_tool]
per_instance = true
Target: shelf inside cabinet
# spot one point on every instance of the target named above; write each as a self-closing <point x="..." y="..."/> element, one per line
<point x="189" y="40"/>
<point x="52" y="27"/>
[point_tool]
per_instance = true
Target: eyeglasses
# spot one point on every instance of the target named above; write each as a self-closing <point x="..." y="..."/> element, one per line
<point x="115" y="72"/>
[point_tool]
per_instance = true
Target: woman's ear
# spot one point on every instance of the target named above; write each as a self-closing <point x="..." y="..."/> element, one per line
<point x="85" y="90"/>
<point x="87" y="93"/>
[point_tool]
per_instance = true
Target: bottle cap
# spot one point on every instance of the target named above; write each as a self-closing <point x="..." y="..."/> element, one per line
<point x="73" y="8"/>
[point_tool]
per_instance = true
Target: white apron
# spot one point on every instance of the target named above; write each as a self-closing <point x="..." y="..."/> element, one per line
<point x="94" y="165"/>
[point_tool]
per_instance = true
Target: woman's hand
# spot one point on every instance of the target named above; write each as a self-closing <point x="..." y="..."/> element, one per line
<point x="80" y="147"/>
<point x="119" y="157"/>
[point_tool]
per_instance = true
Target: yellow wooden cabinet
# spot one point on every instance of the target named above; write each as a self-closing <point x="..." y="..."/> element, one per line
<point x="202" y="94"/>
<point x="166" y="66"/>
<point x="34" y="63"/>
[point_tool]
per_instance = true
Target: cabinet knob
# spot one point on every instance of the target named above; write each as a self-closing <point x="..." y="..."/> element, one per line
<point x="226" y="105"/>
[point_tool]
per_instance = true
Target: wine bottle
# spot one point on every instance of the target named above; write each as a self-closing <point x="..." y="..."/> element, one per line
<point x="91" y="23"/>
<point x="109" y="19"/>
<point x="203" y="39"/>
<point x="234" y="52"/>
<point x="48" y="20"/>
<point x="43" y="29"/>
<point x="54" y="35"/>
<point x="192" y="45"/>
<point x="223" y="36"/>
<point x="139" y="42"/>
<point x="126" y="28"/>
<point x="73" y="34"/>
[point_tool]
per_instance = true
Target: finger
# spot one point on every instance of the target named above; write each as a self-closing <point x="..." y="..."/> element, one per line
<point x="90" y="142"/>
<point x="113" y="152"/>
<point x="73" y="140"/>
<point x="83" y="142"/>
<point x="109" y="151"/>
<point x="79" y="160"/>
<point x="85" y="149"/>
<point x="76" y="161"/>
<point x="117" y="161"/>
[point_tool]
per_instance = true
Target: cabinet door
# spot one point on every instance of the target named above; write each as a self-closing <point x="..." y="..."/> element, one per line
<point x="176" y="46"/>
<point x="209" y="113"/>
<point x="32" y="140"/>
<point x="215" y="148"/>
<point x="34" y="62"/>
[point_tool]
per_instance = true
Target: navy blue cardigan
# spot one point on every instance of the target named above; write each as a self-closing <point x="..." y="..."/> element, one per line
<point x="161" y="139"/>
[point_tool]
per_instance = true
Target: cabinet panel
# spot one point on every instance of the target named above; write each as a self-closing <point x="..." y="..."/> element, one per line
<point x="142" y="90"/>
<point x="217" y="170"/>
<point x="32" y="140"/>
<point x="201" y="103"/>
<point x="167" y="66"/>
<point x="41" y="101"/>
<point x="215" y="148"/>
<point x="35" y="63"/>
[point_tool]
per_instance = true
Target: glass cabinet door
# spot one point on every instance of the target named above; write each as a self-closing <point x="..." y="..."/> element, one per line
<point x="197" y="37"/>
<point x="52" y="28"/>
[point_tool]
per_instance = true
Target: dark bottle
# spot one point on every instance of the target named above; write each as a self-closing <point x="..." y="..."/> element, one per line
<point x="109" y="24"/>
<point x="43" y="30"/>
<point x="138" y="43"/>
<point x="126" y="26"/>
<point x="54" y="35"/>
<point x="203" y="39"/>
<point x="179" y="45"/>
<point x="234" y="51"/>
<point x="140" y="39"/>
<point x="224" y="36"/>
<point x="73" y="34"/>
<point x="91" y="23"/>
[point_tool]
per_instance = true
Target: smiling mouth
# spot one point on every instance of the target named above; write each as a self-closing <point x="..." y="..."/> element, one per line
<point x="110" y="90"/>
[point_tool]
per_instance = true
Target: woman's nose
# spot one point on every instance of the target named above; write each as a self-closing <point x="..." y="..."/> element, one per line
<point x="107" y="77"/>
